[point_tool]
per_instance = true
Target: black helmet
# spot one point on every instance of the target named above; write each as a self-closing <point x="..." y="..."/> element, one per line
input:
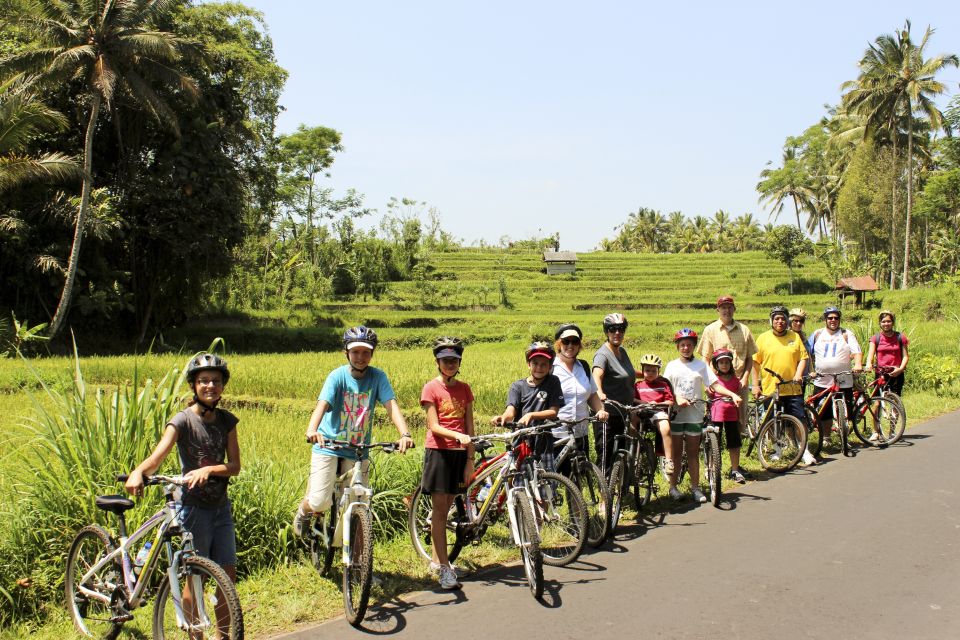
<point x="359" y="336"/>
<point x="453" y="346"/>
<point x="540" y="348"/>
<point x="207" y="362"/>
<point x="779" y="310"/>
<point x="614" y="320"/>
<point x="567" y="329"/>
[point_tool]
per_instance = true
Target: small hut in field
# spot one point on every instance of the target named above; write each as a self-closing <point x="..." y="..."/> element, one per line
<point x="858" y="287"/>
<point x="560" y="262"/>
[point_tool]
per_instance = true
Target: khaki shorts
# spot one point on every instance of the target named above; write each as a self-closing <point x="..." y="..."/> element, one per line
<point x="324" y="471"/>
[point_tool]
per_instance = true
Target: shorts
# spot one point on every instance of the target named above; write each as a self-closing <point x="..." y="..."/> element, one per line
<point x="731" y="431"/>
<point x="214" y="536"/>
<point x="324" y="471"/>
<point x="686" y="428"/>
<point x="443" y="471"/>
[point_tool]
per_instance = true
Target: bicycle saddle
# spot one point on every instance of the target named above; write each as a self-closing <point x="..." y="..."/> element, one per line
<point x="114" y="504"/>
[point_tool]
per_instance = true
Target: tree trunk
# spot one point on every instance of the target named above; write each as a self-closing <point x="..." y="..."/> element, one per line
<point x="906" y="229"/>
<point x="63" y="308"/>
<point x="893" y="219"/>
<point x="796" y="208"/>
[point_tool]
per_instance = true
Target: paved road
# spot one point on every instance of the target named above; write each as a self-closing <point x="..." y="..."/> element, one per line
<point x="852" y="548"/>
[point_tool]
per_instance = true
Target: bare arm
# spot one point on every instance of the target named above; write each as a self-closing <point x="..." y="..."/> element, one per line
<point x="433" y="424"/>
<point x="199" y="477"/>
<point x="312" y="434"/>
<point x="871" y="351"/>
<point x="597" y="374"/>
<point x="546" y="414"/>
<point x="507" y="416"/>
<point x="396" y="417"/>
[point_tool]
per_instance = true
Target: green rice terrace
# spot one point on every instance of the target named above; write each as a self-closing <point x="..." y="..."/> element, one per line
<point x="63" y="440"/>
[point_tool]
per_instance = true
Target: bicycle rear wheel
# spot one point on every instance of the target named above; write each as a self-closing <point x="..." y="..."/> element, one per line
<point x="92" y="617"/>
<point x="878" y="416"/>
<point x="358" y="573"/>
<point x="321" y="530"/>
<point x="529" y="547"/>
<point x="619" y="487"/>
<point x="593" y="488"/>
<point x="644" y="470"/>
<point x="561" y="516"/>
<point x="781" y="443"/>
<point x="815" y="437"/>
<point x="208" y="601"/>
<point x="418" y="524"/>
<point x="713" y="463"/>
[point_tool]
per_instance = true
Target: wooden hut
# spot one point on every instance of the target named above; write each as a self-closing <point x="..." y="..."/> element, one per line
<point x="560" y="262"/>
<point x="857" y="287"/>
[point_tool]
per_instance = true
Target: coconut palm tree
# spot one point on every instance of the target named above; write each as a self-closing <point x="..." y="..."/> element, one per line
<point x="114" y="51"/>
<point x="896" y="80"/>
<point x="23" y="117"/>
<point x="790" y="181"/>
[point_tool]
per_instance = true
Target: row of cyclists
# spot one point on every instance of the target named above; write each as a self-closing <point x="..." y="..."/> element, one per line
<point x="559" y="386"/>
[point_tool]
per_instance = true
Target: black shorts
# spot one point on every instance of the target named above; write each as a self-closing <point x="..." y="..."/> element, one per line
<point x="443" y="471"/>
<point x="731" y="431"/>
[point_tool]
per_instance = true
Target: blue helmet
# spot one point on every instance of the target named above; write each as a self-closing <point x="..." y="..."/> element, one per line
<point x="359" y="337"/>
<point x="830" y="310"/>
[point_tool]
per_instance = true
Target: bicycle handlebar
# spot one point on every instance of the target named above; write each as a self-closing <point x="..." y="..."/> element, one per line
<point x="157" y="479"/>
<point x="336" y="445"/>
<point x="651" y="407"/>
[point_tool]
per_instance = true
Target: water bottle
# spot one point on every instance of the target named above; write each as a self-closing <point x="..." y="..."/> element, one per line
<point x="484" y="491"/>
<point x="141" y="558"/>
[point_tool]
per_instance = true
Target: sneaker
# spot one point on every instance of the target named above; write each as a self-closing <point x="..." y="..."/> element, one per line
<point x="875" y="437"/>
<point x="697" y="495"/>
<point x="435" y="569"/>
<point x="448" y="579"/>
<point x="737" y="476"/>
<point x="300" y="523"/>
<point x="675" y="493"/>
<point x="809" y="459"/>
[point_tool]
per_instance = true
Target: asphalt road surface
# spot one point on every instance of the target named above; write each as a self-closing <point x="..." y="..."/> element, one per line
<point x="863" y="547"/>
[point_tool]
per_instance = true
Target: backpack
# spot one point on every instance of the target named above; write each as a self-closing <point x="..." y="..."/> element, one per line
<point x="875" y="339"/>
<point x="586" y="367"/>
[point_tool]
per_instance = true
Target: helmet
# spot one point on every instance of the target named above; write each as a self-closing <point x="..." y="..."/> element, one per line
<point x="207" y="362"/>
<point x="613" y="320"/>
<point x="722" y="300"/>
<point x="359" y="337"/>
<point x="779" y="310"/>
<point x="448" y="347"/>
<point x="798" y="312"/>
<point x="720" y="354"/>
<point x="830" y="310"/>
<point x="885" y="313"/>
<point x="651" y="359"/>
<point x="567" y="330"/>
<point x="685" y="333"/>
<point x="540" y="348"/>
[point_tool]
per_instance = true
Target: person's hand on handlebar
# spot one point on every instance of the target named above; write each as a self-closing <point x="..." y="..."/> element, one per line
<point x="315" y="437"/>
<point x="134" y="483"/>
<point x="683" y="402"/>
<point x="757" y="390"/>
<point x="525" y="419"/>
<point x="603" y="415"/>
<point x="405" y="442"/>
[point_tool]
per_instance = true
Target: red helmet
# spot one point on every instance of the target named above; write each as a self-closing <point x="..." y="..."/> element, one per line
<point x="685" y="333"/>
<point x="720" y="354"/>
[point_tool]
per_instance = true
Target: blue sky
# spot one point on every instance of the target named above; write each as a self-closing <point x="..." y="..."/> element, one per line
<point x="516" y="118"/>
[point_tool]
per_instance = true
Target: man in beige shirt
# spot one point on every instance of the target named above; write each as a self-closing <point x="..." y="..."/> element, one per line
<point x="727" y="333"/>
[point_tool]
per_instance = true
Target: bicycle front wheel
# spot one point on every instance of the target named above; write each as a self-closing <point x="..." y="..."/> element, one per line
<point x="91" y="616"/>
<point x="712" y="464"/>
<point x="358" y="573"/>
<point x="419" y="521"/>
<point x="561" y="516"/>
<point x="529" y="547"/>
<point x="898" y="402"/>
<point x="843" y="427"/>
<point x="781" y="443"/>
<point x="593" y="488"/>
<point x="203" y="603"/>
<point x="643" y="472"/>
<point x="619" y="487"/>
<point x="878" y="422"/>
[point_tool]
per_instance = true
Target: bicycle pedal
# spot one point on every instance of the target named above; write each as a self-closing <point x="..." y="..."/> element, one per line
<point x="122" y="616"/>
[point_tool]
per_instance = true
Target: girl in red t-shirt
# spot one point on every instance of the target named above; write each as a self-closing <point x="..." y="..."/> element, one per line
<point x="725" y="413"/>
<point x="448" y="459"/>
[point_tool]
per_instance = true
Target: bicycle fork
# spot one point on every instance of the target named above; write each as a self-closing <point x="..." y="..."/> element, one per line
<point x="512" y="498"/>
<point x="196" y="593"/>
<point x="359" y="497"/>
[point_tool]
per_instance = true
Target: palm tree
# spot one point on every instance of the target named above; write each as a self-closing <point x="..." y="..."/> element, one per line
<point x="113" y="50"/>
<point x="744" y="232"/>
<point x="721" y="227"/>
<point x="789" y="181"/>
<point x="895" y="80"/>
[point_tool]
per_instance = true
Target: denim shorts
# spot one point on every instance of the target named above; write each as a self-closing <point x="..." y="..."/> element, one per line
<point x="213" y="532"/>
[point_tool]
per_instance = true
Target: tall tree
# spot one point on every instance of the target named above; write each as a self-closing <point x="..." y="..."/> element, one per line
<point x="790" y="181"/>
<point x="113" y="49"/>
<point x="896" y="80"/>
<point x="22" y="118"/>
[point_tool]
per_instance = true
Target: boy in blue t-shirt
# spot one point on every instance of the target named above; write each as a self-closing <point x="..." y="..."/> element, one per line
<point x="344" y="411"/>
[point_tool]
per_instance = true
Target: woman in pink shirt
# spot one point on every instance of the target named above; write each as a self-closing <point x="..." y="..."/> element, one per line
<point x="890" y="347"/>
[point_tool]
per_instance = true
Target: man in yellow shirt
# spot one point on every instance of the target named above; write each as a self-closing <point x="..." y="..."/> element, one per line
<point x="781" y="350"/>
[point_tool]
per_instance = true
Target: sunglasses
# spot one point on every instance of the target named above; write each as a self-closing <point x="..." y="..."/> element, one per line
<point x="616" y="328"/>
<point x="568" y="341"/>
<point x="829" y="318"/>
<point x="798" y="321"/>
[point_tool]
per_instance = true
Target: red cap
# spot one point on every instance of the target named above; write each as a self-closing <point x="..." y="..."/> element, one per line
<point x="722" y="300"/>
<point x="543" y="354"/>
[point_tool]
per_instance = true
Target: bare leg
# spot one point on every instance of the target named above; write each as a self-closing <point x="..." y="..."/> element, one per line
<point x="693" y="459"/>
<point x="664" y="426"/>
<point x="438" y="525"/>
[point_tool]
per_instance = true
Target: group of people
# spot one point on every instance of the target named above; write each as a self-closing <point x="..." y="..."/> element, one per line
<point x="559" y="386"/>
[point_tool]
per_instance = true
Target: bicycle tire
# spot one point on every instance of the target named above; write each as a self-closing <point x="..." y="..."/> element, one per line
<point x="619" y="486"/>
<point x="643" y="472"/>
<point x="530" y="555"/>
<point x="713" y="463"/>
<point x="418" y="525"/>
<point x="358" y="572"/>
<point x="561" y="517"/>
<point x="898" y="401"/>
<point x="321" y="555"/>
<point x="843" y="427"/>
<point x="596" y="495"/>
<point x="878" y="415"/>
<point x="91" y="617"/>
<point x="781" y="443"/>
<point x="219" y="598"/>
<point x="814" y="431"/>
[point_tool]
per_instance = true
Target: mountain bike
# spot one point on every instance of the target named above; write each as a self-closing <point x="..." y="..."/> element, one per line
<point x="103" y="585"/>
<point x="815" y="406"/>
<point x="710" y="452"/>
<point x="779" y="438"/>
<point x="327" y="532"/>
<point x="496" y="486"/>
<point x="879" y="416"/>
<point x="593" y="486"/>
<point x="635" y="458"/>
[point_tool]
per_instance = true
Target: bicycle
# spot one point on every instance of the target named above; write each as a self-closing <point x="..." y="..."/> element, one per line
<point x="593" y="487"/>
<point x="710" y="452"/>
<point x="327" y="533"/>
<point x="470" y="516"/>
<point x="635" y="459"/>
<point x="103" y="586"/>
<point x="889" y="417"/>
<point x="816" y="404"/>
<point x="780" y="439"/>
